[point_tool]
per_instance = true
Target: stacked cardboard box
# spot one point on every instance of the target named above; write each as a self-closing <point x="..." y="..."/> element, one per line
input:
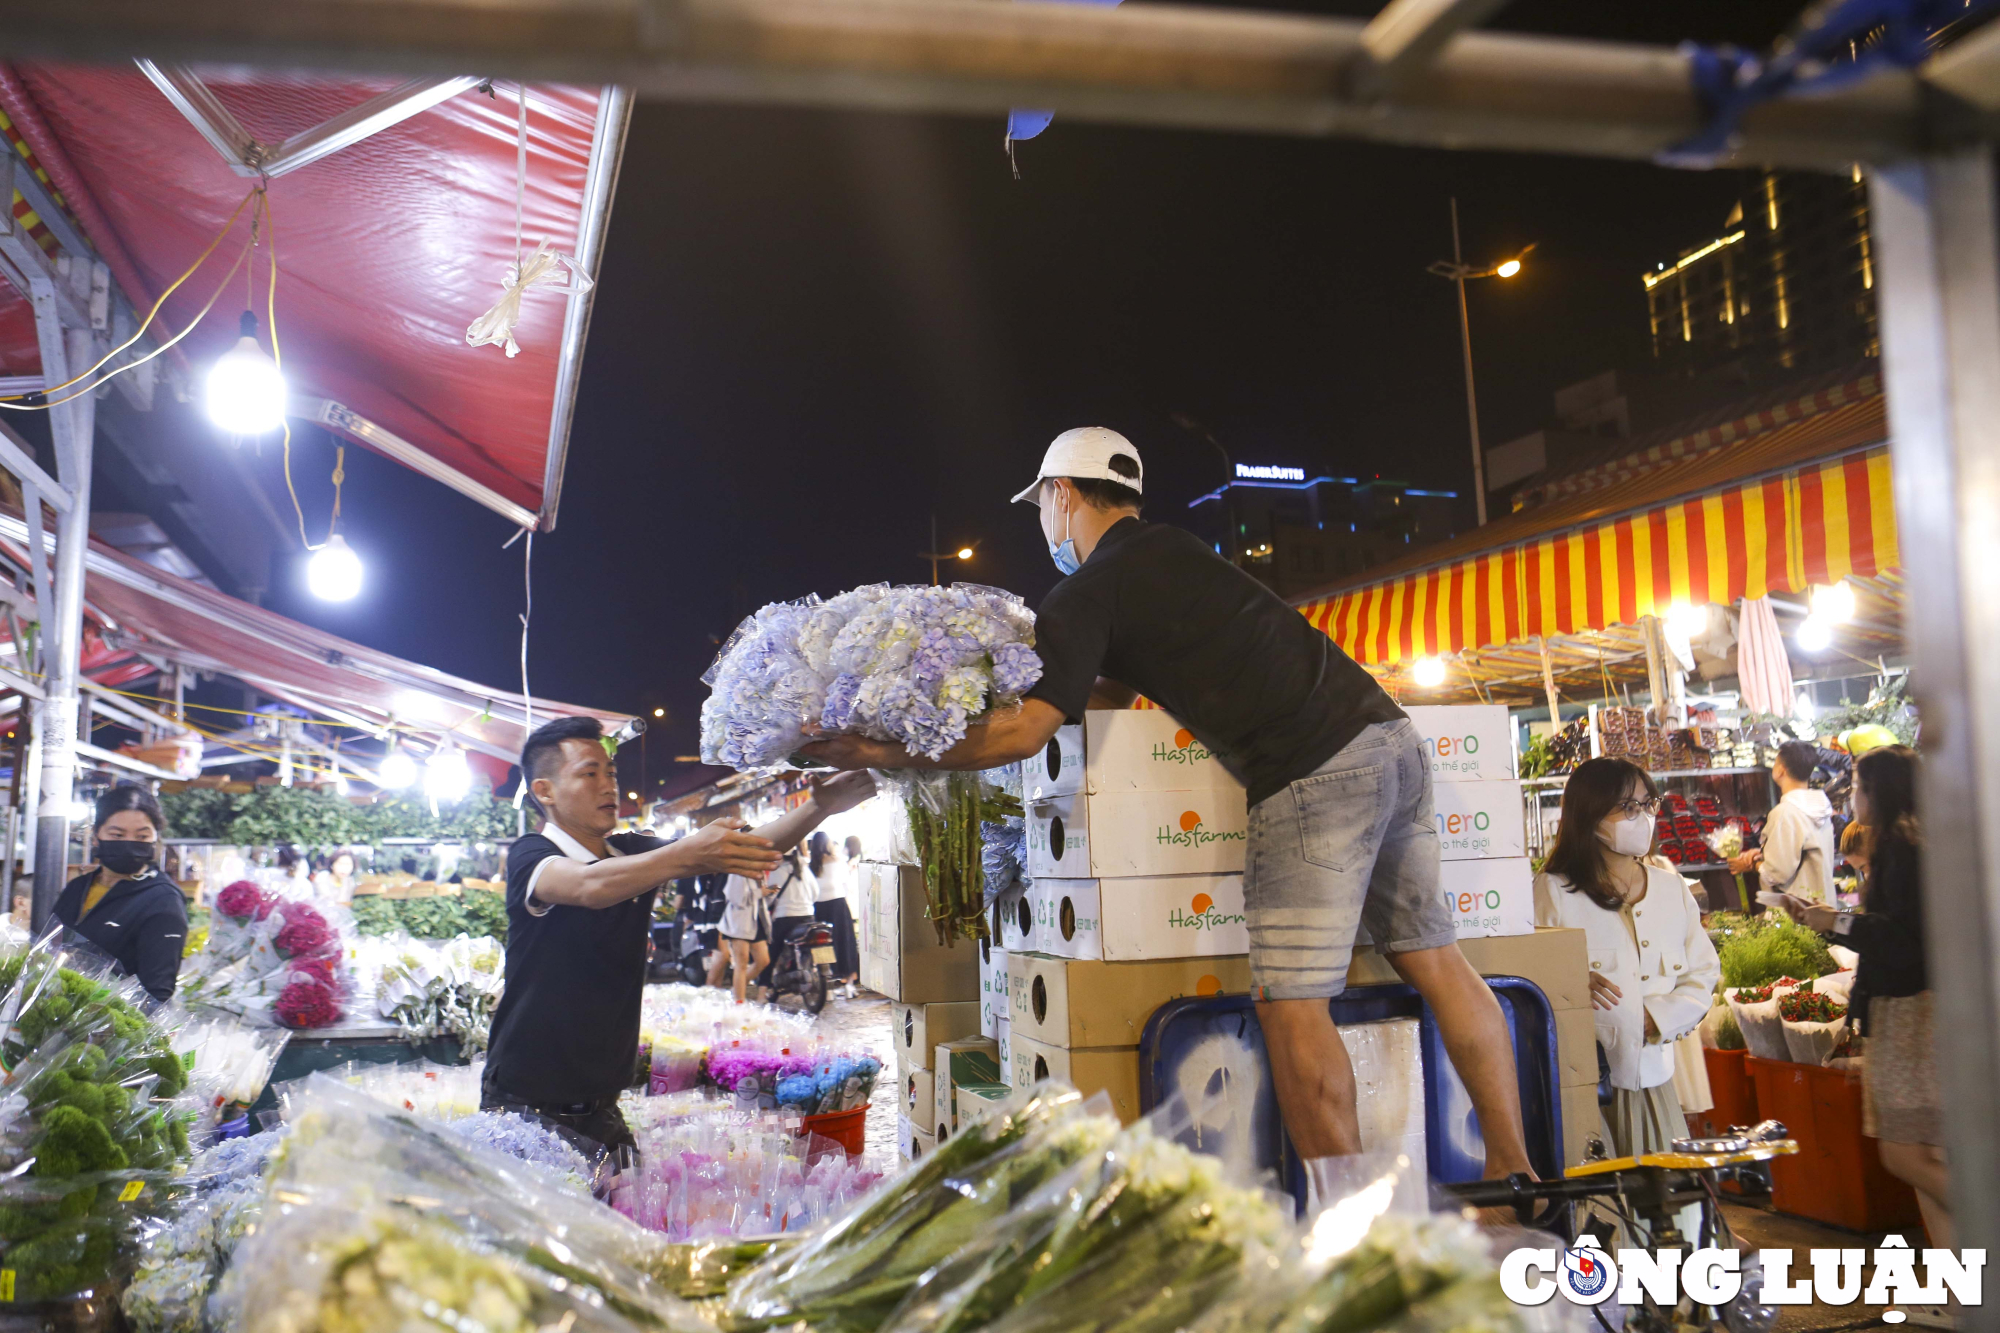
<point x="1481" y="819"/>
<point x="967" y="1074"/>
<point x="903" y="959"/>
<point x="1136" y="837"/>
<point x="918" y="1030"/>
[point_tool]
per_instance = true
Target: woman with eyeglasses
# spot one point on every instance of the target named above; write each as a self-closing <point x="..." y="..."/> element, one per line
<point x="1652" y="968"/>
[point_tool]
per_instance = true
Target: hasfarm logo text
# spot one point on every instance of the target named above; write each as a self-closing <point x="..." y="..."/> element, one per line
<point x="1202" y="915"/>
<point x="1191" y="833"/>
<point x="1184" y="750"/>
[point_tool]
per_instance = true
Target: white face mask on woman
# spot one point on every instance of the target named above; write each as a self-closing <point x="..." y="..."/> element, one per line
<point x="1630" y="836"/>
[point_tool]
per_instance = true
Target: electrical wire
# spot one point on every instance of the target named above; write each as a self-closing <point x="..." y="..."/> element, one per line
<point x="15" y="406"/>
<point x="13" y="400"/>
<point x="278" y="359"/>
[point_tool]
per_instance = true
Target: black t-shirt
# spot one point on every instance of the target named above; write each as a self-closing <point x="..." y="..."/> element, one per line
<point x="567" y="1029"/>
<point x="1154" y="608"/>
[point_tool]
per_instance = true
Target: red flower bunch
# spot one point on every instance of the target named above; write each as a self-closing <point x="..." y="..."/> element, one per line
<point x="244" y="901"/>
<point x="305" y="933"/>
<point x="1753" y="995"/>
<point x="1810" y="1007"/>
<point x="307" y="1004"/>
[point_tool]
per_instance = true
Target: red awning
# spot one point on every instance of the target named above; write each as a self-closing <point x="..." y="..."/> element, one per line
<point x="137" y="612"/>
<point x="387" y="249"/>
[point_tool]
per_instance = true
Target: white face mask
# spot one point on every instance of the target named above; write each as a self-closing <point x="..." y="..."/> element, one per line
<point x="1631" y="836"/>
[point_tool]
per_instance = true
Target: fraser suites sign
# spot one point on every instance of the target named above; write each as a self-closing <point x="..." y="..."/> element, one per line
<point x="1265" y="472"/>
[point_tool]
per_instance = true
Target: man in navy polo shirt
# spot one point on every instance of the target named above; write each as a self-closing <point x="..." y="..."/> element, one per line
<point x="579" y="913"/>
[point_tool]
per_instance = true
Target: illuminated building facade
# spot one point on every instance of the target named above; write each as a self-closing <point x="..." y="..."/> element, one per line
<point x="1297" y="530"/>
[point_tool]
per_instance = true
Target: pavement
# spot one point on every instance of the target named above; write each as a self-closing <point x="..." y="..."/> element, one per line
<point x="863" y="1024"/>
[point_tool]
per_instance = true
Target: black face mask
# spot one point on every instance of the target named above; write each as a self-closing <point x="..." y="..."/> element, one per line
<point x="126" y="858"/>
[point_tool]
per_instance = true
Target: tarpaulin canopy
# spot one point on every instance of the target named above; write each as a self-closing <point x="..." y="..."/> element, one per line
<point x="139" y="611"/>
<point x="387" y="248"/>
<point x="1807" y="503"/>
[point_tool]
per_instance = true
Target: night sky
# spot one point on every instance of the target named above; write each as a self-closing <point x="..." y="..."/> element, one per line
<point x="816" y="329"/>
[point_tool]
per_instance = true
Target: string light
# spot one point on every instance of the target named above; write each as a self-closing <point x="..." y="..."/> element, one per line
<point x="447" y="776"/>
<point x="1428" y="672"/>
<point x="246" y="391"/>
<point x="398" y="769"/>
<point x="334" y="572"/>
<point x="1814" y="635"/>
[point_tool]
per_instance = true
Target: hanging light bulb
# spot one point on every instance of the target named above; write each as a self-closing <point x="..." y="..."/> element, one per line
<point x="246" y="392"/>
<point x="1690" y="622"/>
<point x="447" y="777"/>
<point x="398" y="769"/>
<point x="1834" y="603"/>
<point x="1814" y="635"/>
<point x="334" y="572"/>
<point x="1428" y="672"/>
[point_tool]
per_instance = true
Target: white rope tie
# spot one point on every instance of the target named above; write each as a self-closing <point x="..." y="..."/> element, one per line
<point x="548" y="268"/>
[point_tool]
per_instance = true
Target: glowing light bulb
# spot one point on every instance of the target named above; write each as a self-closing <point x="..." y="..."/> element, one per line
<point x="334" y="572"/>
<point x="965" y="553"/>
<point x="447" y="777"/>
<point x="1813" y="635"/>
<point x="1688" y="621"/>
<point x="80" y="812"/>
<point x="1428" y="672"/>
<point x="1834" y="604"/>
<point x="246" y="392"/>
<point x="398" y="770"/>
<point x="659" y="712"/>
<point x="1508" y="269"/>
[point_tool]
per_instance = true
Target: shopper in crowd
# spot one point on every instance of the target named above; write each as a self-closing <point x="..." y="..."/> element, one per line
<point x="125" y="905"/>
<point x="836" y="886"/>
<point x="1891" y="998"/>
<point x="1796" y="855"/>
<point x="579" y="916"/>
<point x="745" y="933"/>
<point x="336" y="882"/>
<point x="1857" y="849"/>
<point x="792" y="892"/>
<point x="1341" y="826"/>
<point x="1652" y="968"/>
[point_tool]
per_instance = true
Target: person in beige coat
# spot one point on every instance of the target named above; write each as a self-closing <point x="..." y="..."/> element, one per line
<point x="1652" y="968"/>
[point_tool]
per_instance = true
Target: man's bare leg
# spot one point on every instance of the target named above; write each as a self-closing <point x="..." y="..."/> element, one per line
<point x="1313" y="1077"/>
<point x="1481" y="1050"/>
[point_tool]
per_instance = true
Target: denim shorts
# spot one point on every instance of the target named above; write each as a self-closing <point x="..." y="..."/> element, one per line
<point x="1353" y="843"/>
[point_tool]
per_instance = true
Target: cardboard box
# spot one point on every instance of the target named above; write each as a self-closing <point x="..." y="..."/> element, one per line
<point x="1064" y="1002"/>
<point x="1581" y="1122"/>
<point x="918" y="1029"/>
<point x="1124" y="920"/>
<point x="904" y="959"/>
<point x="970" y="1062"/>
<point x="1137" y="833"/>
<point x="1112" y="1070"/>
<point x="913" y="1143"/>
<point x="1124" y="749"/>
<point x="1576" y="1046"/>
<point x="1465" y="742"/>
<point x="1480" y="821"/>
<point x="1553" y="959"/>
<point x="971" y="1099"/>
<point x="1006" y="1043"/>
<point x="1489" y="897"/>
<point x="919" y="1088"/>
<point x="992" y="988"/>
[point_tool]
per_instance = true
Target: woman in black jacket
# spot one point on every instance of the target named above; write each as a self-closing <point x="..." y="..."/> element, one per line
<point x="125" y="906"/>
<point x="1891" y="999"/>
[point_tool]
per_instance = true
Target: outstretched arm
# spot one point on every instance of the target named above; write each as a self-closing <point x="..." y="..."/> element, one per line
<point x="1008" y="735"/>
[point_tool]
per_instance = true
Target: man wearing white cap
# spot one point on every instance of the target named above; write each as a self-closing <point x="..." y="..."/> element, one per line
<point x="1341" y="826"/>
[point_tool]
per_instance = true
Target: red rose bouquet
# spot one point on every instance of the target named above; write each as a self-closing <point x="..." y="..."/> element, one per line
<point x="304" y="933"/>
<point x="307" y="1003"/>
<point x="244" y="902"/>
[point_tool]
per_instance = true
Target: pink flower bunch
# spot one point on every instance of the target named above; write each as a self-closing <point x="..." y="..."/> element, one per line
<point x="307" y="1004"/>
<point x="305" y="933"/>
<point x="243" y="901"/>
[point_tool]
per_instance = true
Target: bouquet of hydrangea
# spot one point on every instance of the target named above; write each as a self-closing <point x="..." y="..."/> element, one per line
<point x="910" y="665"/>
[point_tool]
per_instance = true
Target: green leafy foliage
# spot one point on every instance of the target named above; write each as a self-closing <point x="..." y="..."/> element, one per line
<point x="1781" y="950"/>
<point x="1728" y="1033"/>
<point x="1888" y="706"/>
<point x="321" y="821"/>
<point x="474" y="912"/>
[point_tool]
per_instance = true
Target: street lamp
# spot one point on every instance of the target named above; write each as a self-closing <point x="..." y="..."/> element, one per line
<point x="1458" y="271"/>
<point x="934" y="555"/>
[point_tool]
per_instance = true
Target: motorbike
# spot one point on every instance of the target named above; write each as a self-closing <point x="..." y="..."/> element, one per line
<point x="802" y="971"/>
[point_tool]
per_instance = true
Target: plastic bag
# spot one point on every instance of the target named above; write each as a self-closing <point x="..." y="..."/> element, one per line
<point x="855" y="1272"/>
<point x="228" y="1066"/>
<point x="1140" y="1235"/>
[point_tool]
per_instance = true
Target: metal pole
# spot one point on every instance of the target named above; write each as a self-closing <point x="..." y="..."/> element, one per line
<point x="72" y="426"/>
<point x="1471" y="398"/>
<point x="1933" y="223"/>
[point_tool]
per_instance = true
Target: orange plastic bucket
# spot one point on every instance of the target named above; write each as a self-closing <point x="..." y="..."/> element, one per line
<point x="847" y="1128"/>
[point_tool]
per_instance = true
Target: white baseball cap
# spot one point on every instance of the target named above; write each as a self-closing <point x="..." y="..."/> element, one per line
<point x="1087" y="452"/>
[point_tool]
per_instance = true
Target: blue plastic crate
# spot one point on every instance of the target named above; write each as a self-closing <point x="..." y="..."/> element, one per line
<point x="1212" y="1049"/>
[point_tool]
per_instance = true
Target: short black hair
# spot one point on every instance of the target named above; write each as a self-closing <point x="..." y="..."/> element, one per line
<point x="546" y="742"/>
<point x="1799" y="759"/>
<point x="1102" y="493"/>
<point x="129" y="796"/>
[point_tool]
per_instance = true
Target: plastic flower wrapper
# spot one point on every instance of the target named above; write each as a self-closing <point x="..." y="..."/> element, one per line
<point x="946" y="814"/>
<point x="228" y="1066"/>
<point x="356" y="1154"/>
<point x="1142" y="1236"/>
<point x="853" y="1274"/>
<point x="65" y="1237"/>
<point x="1727" y="841"/>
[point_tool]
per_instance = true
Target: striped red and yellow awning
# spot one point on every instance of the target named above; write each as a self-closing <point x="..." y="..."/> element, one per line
<point x="1809" y="524"/>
